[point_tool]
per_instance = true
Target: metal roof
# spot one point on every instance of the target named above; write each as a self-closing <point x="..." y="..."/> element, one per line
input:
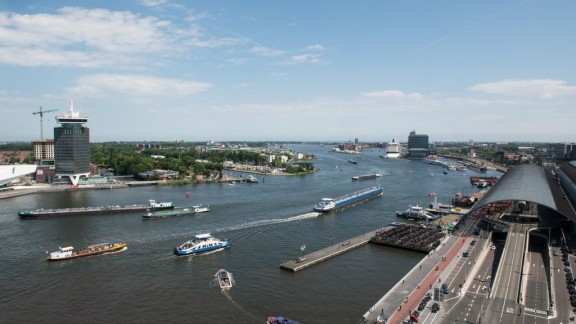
<point x="527" y="182"/>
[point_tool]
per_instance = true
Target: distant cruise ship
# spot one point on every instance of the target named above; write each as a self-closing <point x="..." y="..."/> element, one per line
<point x="392" y="150"/>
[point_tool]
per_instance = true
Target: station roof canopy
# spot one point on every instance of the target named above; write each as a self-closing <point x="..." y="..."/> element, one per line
<point x="531" y="183"/>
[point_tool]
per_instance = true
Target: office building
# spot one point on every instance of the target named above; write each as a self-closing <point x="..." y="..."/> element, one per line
<point x="72" y="146"/>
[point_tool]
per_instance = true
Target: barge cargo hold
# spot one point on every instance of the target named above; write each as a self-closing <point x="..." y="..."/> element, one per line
<point x="366" y="176"/>
<point x="152" y="205"/>
<point x="330" y="204"/>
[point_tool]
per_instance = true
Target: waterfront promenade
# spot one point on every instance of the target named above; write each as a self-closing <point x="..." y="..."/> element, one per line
<point x="405" y="296"/>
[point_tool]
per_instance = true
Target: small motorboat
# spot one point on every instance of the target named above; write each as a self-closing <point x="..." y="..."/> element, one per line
<point x="224" y="278"/>
<point x="280" y="320"/>
<point x="200" y="244"/>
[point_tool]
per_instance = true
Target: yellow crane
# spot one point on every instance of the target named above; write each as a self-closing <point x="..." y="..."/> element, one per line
<point x="41" y="113"/>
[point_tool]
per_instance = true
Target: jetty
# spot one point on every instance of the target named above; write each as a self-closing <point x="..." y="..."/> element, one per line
<point x="333" y="250"/>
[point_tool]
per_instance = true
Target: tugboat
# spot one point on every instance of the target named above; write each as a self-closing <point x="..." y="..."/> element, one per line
<point x="68" y="252"/>
<point x="201" y="243"/>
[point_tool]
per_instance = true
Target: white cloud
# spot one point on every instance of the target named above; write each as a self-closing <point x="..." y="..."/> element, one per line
<point x="315" y="47"/>
<point x="545" y="88"/>
<point x="153" y="3"/>
<point x="96" y="37"/>
<point x="265" y="51"/>
<point x="136" y="85"/>
<point x="392" y="94"/>
<point x="306" y="58"/>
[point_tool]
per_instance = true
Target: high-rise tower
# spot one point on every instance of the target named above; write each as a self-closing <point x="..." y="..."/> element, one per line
<point x="72" y="146"/>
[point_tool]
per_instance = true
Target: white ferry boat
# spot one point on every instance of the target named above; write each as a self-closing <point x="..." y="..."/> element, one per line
<point x="200" y="244"/>
<point x="416" y="212"/>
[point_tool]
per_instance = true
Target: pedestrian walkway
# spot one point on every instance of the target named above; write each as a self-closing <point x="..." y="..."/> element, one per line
<point x="406" y="295"/>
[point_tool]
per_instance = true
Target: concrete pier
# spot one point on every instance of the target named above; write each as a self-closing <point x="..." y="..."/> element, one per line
<point x="327" y="253"/>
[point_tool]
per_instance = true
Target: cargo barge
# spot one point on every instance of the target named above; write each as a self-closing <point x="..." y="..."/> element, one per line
<point x="330" y="204"/>
<point x="152" y="205"/>
<point x="366" y="176"/>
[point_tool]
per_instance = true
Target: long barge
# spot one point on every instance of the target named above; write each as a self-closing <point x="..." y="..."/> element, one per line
<point x="366" y="176"/>
<point x="152" y="205"/>
<point x="330" y="204"/>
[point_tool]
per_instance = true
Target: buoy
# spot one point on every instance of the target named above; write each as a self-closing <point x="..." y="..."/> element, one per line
<point x="188" y="194"/>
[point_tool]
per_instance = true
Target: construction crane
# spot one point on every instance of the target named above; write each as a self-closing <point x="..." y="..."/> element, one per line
<point x="41" y="113"/>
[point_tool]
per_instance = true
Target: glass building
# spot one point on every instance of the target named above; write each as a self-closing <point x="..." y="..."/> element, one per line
<point x="418" y="145"/>
<point x="72" y="146"/>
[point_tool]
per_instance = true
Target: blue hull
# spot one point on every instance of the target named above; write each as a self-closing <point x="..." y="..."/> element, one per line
<point x="199" y="251"/>
<point x="351" y="199"/>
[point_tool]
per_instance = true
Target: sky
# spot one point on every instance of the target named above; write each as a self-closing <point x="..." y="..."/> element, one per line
<point x="299" y="70"/>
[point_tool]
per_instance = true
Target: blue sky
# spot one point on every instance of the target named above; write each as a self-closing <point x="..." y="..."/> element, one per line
<point x="159" y="70"/>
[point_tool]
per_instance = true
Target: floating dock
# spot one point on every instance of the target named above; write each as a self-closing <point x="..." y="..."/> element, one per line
<point x="329" y="252"/>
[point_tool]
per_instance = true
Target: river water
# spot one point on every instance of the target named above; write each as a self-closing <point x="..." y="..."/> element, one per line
<point x="267" y="223"/>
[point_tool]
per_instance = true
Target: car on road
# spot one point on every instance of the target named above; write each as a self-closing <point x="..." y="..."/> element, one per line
<point x="473" y="242"/>
<point x="465" y="254"/>
<point x="555" y="253"/>
<point x="493" y="247"/>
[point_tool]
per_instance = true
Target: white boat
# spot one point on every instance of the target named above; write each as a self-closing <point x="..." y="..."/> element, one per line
<point x="392" y="150"/>
<point x="200" y="244"/>
<point x="201" y="208"/>
<point x="252" y="179"/>
<point x="416" y="212"/>
<point x="224" y="278"/>
<point x="153" y="204"/>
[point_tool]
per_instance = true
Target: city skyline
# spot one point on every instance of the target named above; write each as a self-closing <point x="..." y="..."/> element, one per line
<point x="159" y="70"/>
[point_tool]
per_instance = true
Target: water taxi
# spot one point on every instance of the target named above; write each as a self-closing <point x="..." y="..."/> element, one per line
<point x="224" y="278"/>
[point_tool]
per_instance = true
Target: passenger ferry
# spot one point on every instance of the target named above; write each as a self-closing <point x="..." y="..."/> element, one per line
<point x="69" y="252"/>
<point x="330" y="204"/>
<point x="200" y="244"/>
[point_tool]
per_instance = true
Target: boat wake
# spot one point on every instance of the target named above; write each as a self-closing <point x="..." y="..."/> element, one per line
<point x="226" y="293"/>
<point x="270" y="222"/>
<point x="121" y="250"/>
<point x="247" y="225"/>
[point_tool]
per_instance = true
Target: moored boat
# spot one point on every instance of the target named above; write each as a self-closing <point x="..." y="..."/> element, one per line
<point x="200" y="244"/>
<point x="330" y="204"/>
<point x="416" y="212"/>
<point x="69" y="252"/>
<point x="252" y="179"/>
<point x="392" y="150"/>
<point x="224" y="278"/>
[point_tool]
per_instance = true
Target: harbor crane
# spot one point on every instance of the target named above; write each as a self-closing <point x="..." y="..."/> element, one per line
<point x="41" y="113"/>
